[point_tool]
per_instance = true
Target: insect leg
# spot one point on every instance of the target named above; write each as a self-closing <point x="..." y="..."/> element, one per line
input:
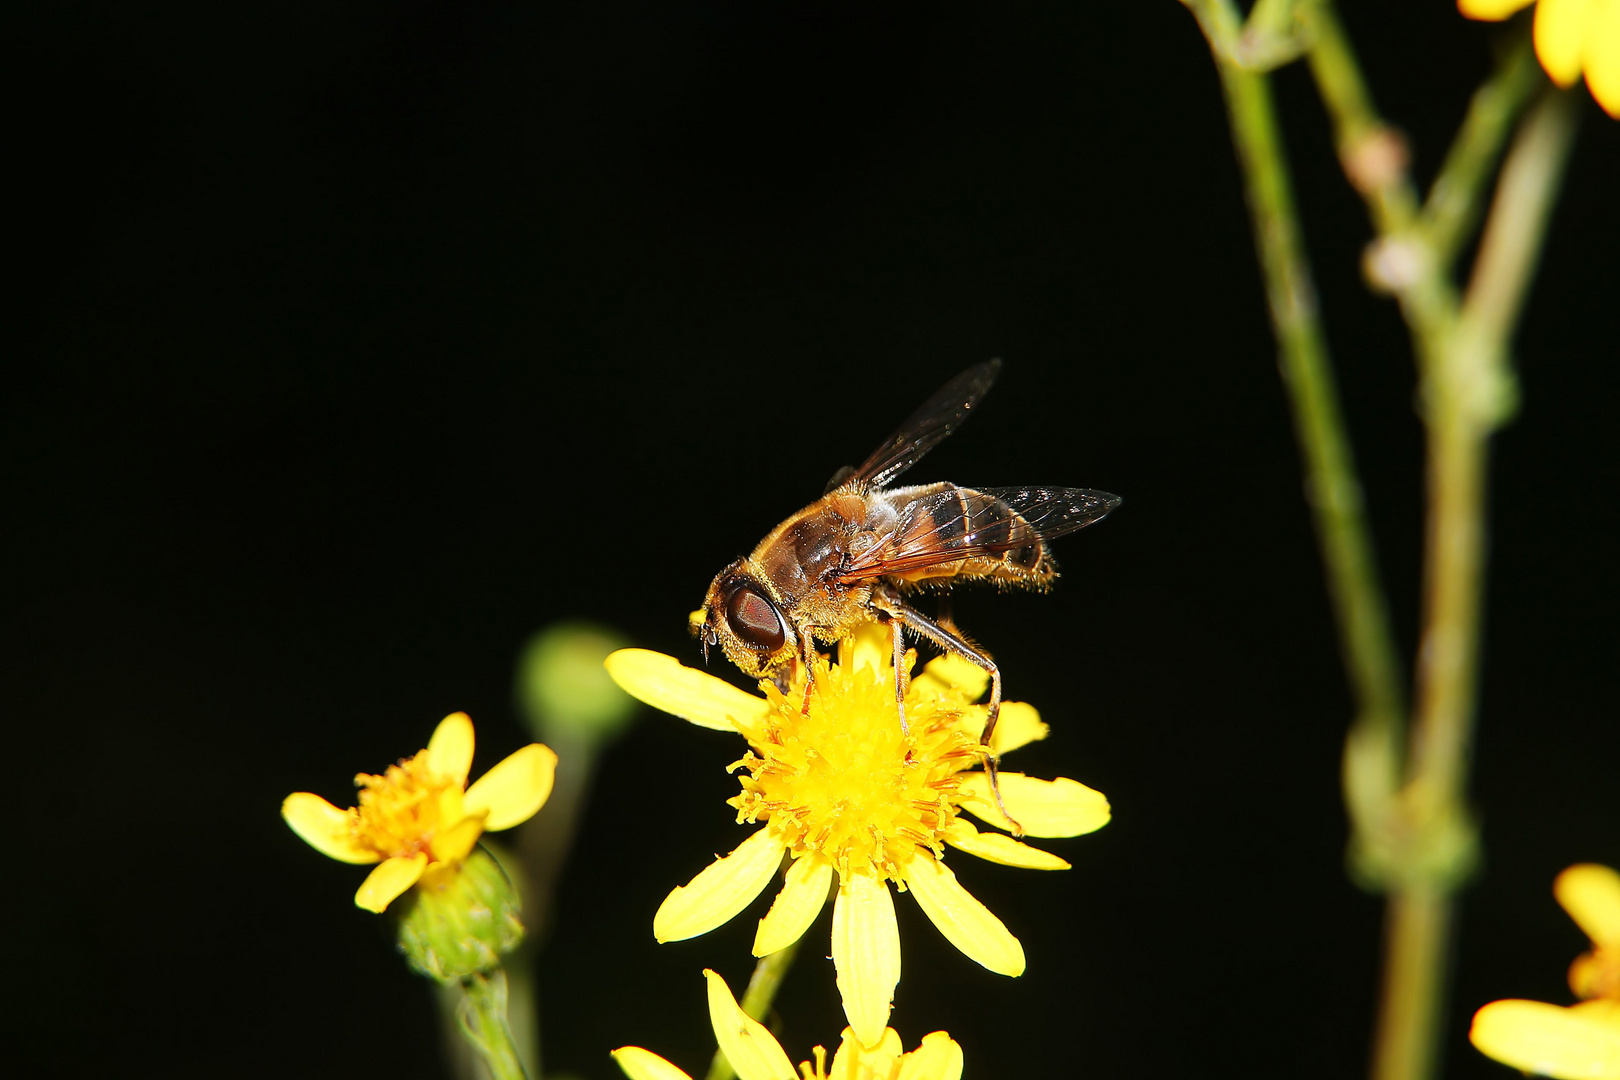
<point x="897" y="634"/>
<point x="889" y="602"/>
<point x="807" y="654"/>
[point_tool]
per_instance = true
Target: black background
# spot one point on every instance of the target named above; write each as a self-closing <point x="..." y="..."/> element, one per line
<point x="360" y="340"/>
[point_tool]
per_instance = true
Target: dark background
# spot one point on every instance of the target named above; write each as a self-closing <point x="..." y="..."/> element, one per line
<point x="358" y="341"/>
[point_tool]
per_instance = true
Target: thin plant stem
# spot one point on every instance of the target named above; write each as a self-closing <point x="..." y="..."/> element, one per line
<point x="1465" y="405"/>
<point x="1417" y="929"/>
<point x="1374" y="157"/>
<point x="756" y="1002"/>
<point x="1466" y="391"/>
<point x="1455" y="198"/>
<point x="1332" y="489"/>
<point x="1411" y="814"/>
<point x="483" y="1021"/>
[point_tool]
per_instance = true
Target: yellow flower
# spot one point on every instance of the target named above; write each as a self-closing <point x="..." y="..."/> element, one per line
<point x="756" y="1055"/>
<point x="844" y="790"/>
<point x="1572" y="37"/>
<point x="419" y="820"/>
<point x="1581" y="1042"/>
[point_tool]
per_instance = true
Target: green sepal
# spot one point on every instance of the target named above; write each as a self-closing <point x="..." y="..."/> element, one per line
<point x="460" y="922"/>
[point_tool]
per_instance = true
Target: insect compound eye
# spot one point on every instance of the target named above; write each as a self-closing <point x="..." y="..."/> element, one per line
<point x="754" y="619"/>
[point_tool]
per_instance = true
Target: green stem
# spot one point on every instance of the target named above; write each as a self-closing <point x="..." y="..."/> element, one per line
<point x="1455" y="199"/>
<point x="1332" y="489"/>
<point x="756" y="1002"/>
<point x="483" y="1021"/>
<point x="1374" y="157"/>
<point x="1416" y="928"/>
<point x="1411" y="821"/>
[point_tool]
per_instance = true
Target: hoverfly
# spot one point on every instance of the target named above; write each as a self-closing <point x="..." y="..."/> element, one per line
<point x="853" y="555"/>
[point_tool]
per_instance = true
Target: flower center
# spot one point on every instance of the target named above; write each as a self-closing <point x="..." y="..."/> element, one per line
<point x="401" y="810"/>
<point x="844" y="780"/>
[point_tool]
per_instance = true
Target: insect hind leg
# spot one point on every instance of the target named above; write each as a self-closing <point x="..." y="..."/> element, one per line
<point x="889" y="602"/>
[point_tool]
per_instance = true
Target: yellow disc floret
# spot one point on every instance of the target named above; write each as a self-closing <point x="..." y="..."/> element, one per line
<point x="846" y="781"/>
<point x="402" y="811"/>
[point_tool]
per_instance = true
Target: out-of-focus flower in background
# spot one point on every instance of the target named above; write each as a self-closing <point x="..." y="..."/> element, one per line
<point x="756" y="1055"/>
<point x="1581" y="1041"/>
<point x="419" y="820"/>
<point x="843" y="789"/>
<point x="1573" y="38"/>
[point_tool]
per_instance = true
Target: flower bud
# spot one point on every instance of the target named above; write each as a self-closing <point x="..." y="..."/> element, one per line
<point x="563" y="689"/>
<point x="461" y="921"/>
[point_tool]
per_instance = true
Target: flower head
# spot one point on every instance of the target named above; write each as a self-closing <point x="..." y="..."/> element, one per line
<point x="846" y="792"/>
<point x="1572" y="37"/>
<point x="1582" y="1041"/>
<point x="756" y="1055"/>
<point x="419" y="820"/>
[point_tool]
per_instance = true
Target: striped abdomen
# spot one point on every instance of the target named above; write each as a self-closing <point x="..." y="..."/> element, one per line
<point x="944" y="531"/>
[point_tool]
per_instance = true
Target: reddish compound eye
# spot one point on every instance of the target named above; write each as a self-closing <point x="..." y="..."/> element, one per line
<point x="755" y="620"/>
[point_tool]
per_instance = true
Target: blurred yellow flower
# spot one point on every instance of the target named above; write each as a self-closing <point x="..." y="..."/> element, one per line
<point x="756" y="1055"/>
<point x="844" y="790"/>
<point x="1581" y="1042"/>
<point x="1573" y="37"/>
<point x="419" y="819"/>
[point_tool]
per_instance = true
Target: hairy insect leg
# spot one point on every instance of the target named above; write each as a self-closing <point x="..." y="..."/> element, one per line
<point x="889" y="602"/>
<point x="807" y="657"/>
<point x="897" y="635"/>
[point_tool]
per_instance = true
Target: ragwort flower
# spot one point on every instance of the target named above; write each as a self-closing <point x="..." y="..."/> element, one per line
<point x="1582" y="1041"/>
<point x="844" y="790"/>
<point x="1572" y="37"/>
<point x="419" y="820"/>
<point x="756" y="1055"/>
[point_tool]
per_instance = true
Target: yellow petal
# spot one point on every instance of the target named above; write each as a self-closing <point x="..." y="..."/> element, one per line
<point x="388" y="881"/>
<point x="952" y="676"/>
<point x="513" y="790"/>
<point x="1060" y="807"/>
<point x="869" y="647"/>
<point x="325" y="828"/>
<point x="1558" y="31"/>
<point x="1491" y="10"/>
<point x="720" y="890"/>
<point x="670" y="686"/>
<point x="753" y="1052"/>
<point x="450" y="751"/>
<point x="866" y="953"/>
<point x="452" y="845"/>
<point x="1591" y="895"/>
<point x="804" y="891"/>
<point x="964" y="921"/>
<point x="639" y="1064"/>
<point x="1017" y="725"/>
<point x="1569" y="1044"/>
<point x="1601" y="57"/>
<point x="856" y="1062"/>
<point x="938" y="1058"/>
<point x="999" y="848"/>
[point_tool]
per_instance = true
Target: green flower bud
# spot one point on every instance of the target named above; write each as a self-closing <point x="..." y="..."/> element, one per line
<point x="460" y="921"/>
<point x="563" y="689"/>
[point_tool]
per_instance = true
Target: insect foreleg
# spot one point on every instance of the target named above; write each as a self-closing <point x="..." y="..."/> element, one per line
<point x="888" y="601"/>
<point x="897" y="635"/>
<point x="807" y="657"/>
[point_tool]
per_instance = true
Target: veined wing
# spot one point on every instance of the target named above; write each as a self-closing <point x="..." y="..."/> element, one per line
<point x="924" y="429"/>
<point x="956" y="523"/>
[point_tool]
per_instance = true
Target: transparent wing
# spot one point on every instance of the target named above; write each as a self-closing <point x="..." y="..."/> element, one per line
<point x="1057" y="511"/>
<point x="924" y="429"/>
<point x="954" y="523"/>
